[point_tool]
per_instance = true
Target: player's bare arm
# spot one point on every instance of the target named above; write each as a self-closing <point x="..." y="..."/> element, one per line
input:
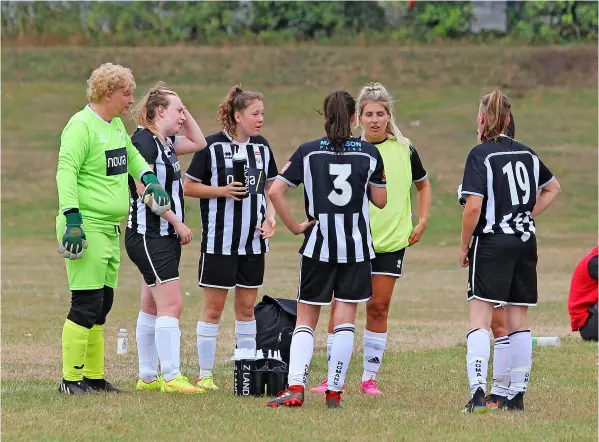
<point x="548" y="194"/>
<point x="196" y="189"/>
<point x="378" y="196"/>
<point x="194" y="139"/>
<point x="269" y="225"/>
<point x="423" y="189"/>
<point x="277" y="197"/>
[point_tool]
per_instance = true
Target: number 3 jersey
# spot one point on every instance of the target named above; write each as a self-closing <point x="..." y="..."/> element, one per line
<point x="336" y="196"/>
<point x="229" y="226"/>
<point x="507" y="175"/>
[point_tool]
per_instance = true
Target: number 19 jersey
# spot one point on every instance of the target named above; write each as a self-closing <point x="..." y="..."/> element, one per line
<point x="507" y="175"/>
<point x="336" y="196"/>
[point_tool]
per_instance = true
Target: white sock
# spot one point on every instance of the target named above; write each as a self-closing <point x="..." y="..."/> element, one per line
<point x="374" y="347"/>
<point x="521" y="361"/>
<point x="207" y="333"/>
<point x="343" y="346"/>
<point x="477" y="358"/>
<point x="300" y="355"/>
<point x="168" y="344"/>
<point x="245" y="334"/>
<point x="330" y="337"/>
<point x="501" y="366"/>
<point x="146" y="347"/>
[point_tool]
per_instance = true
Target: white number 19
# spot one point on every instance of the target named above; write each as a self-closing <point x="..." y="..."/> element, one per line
<point x="521" y="176"/>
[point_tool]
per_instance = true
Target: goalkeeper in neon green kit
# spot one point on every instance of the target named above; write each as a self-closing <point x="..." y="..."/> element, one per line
<point x="96" y="156"/>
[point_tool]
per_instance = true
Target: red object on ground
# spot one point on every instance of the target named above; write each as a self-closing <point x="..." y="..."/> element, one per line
<point x="583" y="292"/>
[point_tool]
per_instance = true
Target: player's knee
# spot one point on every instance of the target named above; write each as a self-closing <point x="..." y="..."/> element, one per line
<point x="244" y="313"/>
<point x="106" y="305"/>
<point x="171" y="307"/>
<point x="148" y="305"/>
<point x="86" y="307"/>
<point x="499" y="326"/>
<point x="377" y="312"/>
<point x="211" y="314"/>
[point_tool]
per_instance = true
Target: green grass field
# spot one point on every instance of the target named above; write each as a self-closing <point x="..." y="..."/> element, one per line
<point x="423" y="375"/>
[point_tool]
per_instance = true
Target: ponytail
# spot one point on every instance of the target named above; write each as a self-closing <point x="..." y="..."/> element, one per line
<point x="144" y="111"/>
<point x="236" y="101"/>
<point x="497" y="109"/>
<point x="338" y="109"/>
<point x="511" y="128"/>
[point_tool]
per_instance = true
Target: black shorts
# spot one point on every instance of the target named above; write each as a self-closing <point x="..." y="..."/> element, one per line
<point x="503" y="270"/>
<point x="588" y="331"/>
<point x="229" y="271"/>
<point x="390" y="263"/>
<point x="351" y="282"/>
<point x="157" y="258"/>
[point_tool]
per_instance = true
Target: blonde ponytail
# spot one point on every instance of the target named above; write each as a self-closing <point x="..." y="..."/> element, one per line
<point x="144" y="111"/>
<point x="376" y="92"/>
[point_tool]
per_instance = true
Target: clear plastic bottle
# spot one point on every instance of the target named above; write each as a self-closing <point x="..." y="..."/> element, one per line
<point x="122" y="346"/>
<point x="546" y="341"/>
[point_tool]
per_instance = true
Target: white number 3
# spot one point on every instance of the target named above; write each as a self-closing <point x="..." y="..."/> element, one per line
<point x="342" y="171"/>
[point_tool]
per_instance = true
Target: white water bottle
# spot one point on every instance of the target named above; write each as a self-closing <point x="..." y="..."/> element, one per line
<point x="546" y="341"/>
<point x="122" y="342"/>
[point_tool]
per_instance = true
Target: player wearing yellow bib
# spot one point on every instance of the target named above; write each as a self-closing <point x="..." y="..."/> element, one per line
<point x="95" y="159"/>
<point x="391" y="227"/>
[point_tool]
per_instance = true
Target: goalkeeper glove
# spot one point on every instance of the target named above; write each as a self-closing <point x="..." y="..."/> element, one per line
<point x="73" y="240"/>
<point x="154" y="196"/>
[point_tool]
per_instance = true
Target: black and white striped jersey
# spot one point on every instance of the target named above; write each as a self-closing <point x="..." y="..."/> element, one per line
<point x="336" y="196"/>
<point x="229" y="226"/>
<point x="165" y="164"/>
<point x="507" y="175"/>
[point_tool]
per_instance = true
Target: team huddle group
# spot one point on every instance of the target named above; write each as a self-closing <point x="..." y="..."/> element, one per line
<point x="358" y="226"/>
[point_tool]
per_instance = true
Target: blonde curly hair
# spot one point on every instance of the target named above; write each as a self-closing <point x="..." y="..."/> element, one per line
<point x="107" y="79"/>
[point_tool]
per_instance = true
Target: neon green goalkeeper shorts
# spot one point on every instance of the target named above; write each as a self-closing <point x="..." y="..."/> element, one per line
<point x="100" y="263"/>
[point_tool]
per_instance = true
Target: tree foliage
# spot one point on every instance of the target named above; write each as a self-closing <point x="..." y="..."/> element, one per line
<point x="271" y="22"/>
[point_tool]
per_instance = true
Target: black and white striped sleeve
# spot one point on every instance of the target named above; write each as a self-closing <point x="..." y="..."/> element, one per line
<point x="146" y="145"/>
<point x="272" y="171"/>
<point x="198" y="168"/>
<point x="475" y="175"/>
<point x="293" y="172"/>
<point x="545" y="175"/>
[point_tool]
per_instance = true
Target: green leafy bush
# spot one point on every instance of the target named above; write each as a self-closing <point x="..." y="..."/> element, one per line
<point x="277" y="22"/>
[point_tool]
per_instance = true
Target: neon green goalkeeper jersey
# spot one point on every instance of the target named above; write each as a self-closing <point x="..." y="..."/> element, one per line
<point x="391" y="226"/>
<point x="95" y="160"/>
